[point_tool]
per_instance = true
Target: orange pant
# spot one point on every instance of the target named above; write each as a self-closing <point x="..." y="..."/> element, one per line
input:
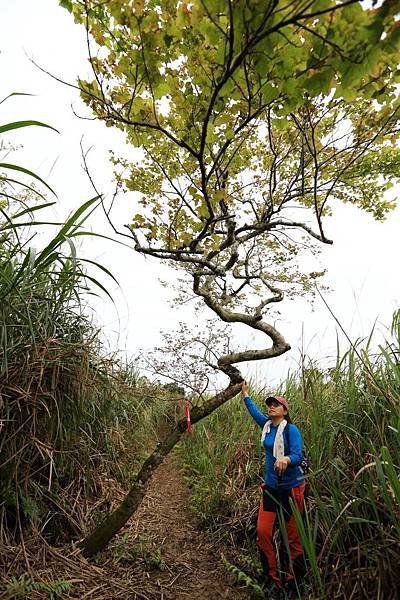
<point x="271" y="502"/>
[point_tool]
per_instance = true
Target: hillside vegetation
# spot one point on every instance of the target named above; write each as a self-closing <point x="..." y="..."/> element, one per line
<point x="350" y="419"/>
<point x="74" y="420"/>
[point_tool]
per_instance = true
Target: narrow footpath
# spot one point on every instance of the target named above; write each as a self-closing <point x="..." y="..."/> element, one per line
<point x="191" y="562"/>
<point x="159" y="555"/>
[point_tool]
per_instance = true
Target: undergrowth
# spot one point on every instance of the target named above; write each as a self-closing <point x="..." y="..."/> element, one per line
<point x="71" y="416"/>
<point x="24" y="586"/>
<point x="74" y="421"/>
<point x="349" y="416"/>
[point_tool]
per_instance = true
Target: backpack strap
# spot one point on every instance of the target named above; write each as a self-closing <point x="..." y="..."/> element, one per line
<point x="305" y="461"/>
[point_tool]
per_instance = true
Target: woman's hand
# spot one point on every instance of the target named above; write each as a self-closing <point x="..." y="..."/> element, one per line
<point x="281" y="465"/>
<point x="245" y="389"/>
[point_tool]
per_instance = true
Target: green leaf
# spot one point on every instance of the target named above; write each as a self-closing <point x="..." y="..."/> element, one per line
<point x="21" y="183"/>
<point x="162" y="89"/>
<point x="32" y="209"/>
<point x="66" y="4"/>
<point x="15" y="94"/>
<point x="27" y="172"/>
<point x="262" y="64"/>
<point x="99" y="285"/>
<point x="347" y="93"/>
<point x="281" y="124"/>
<point x="270" y="93"/>
<point x="67" y="229"/>
<point x="99" y="235"/>
<point x="18" y="124"/>
<point x="320" y="82"/>
<point x="210" y="32"/>
<point x="101" y="267"/>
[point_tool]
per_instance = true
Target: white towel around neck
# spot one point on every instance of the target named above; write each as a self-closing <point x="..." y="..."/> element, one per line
<point x="279" y="446"/>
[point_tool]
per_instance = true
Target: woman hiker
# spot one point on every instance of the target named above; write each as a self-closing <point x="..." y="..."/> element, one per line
<point x="283" y="480"/>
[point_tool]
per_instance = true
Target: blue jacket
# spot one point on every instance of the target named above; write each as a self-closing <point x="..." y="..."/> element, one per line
<point x="293" y="475"/>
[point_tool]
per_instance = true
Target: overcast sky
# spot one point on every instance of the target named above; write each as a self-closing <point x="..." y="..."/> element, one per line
<point x="362" y="263"/>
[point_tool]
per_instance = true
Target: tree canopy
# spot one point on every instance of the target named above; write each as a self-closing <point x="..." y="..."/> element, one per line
<point x="253" y="119"/>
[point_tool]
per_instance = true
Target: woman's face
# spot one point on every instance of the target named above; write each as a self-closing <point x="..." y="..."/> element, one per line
<point x="275" y="409"/>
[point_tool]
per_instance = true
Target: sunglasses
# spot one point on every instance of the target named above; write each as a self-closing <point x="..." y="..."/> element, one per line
<point x="273" y="403"/>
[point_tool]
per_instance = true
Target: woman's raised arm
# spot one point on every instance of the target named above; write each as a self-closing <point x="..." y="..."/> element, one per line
<point x="257" y="415"/>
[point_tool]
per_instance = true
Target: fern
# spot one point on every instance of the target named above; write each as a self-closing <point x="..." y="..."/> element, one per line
<point x="242" y="577"/>
<point x="23" y="585"/>
<point x="19" y="587"/>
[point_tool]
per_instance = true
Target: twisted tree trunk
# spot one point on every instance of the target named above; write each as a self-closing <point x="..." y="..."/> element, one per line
<point x="111" y="525"/>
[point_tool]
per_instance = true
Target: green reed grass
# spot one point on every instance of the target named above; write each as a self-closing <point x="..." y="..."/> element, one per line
<point x="71" y="417"/>
<point x="349" y="416"/>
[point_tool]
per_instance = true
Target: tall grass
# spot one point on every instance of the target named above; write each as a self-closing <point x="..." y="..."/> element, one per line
<point x="71" y="417"/>
<point x="349" y="416"/>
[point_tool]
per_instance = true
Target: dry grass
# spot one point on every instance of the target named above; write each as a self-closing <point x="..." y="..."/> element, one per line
<point x="160" y="555"/>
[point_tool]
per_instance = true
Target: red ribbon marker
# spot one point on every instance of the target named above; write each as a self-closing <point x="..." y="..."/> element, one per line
<point x="187" y="415"/>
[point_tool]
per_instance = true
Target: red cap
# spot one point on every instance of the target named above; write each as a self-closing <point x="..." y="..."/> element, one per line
<point x="279" y="399"/>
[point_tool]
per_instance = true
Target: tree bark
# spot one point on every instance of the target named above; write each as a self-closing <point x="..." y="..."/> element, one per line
<point x="113" y="523"/>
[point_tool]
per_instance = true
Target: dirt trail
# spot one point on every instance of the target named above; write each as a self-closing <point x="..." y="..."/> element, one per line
<point x="192" y="563"/>
<point x="160" y="555"/>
